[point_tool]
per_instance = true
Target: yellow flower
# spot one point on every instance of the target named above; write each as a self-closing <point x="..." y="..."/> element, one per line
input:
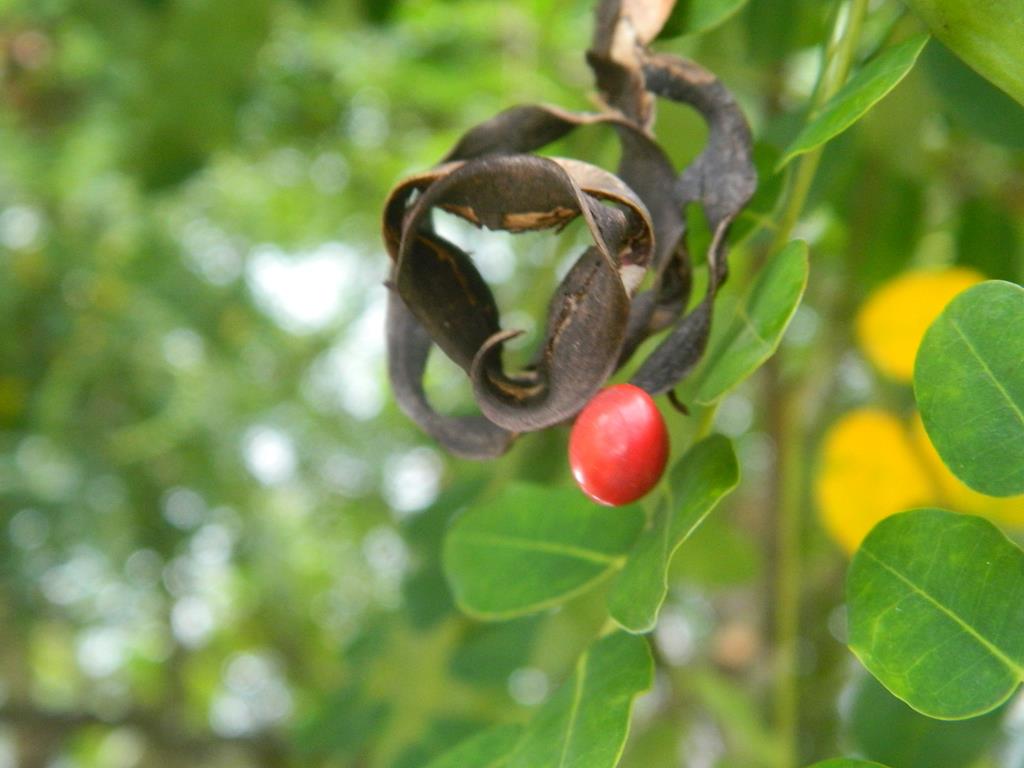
<point x="893" y="320"/>
<point x="953" y="494"/>
<point x="868" y="471"/>
<point x="874" y="465"/>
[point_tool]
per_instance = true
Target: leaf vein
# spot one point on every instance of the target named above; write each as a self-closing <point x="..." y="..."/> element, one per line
<point x="574" y="710"/>
<point x="749" y="323"/>
<point x="547" y="547"/>
<point x="982" y="640"/>
<point x="988" y="371"/>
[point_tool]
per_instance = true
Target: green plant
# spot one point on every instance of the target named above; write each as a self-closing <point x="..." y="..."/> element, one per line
<point x="223" y="543"/>
<point x="934" y="596"/>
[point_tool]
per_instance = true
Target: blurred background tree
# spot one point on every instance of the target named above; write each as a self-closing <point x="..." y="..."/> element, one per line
<point x="219" y="541"/>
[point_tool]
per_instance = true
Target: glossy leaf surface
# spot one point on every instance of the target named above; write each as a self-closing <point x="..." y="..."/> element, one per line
<point x="698" y="481"/>
<point x="969" y="384"/>
<point x="988" y="36"/>
<point x="489" y="749"/>
<point x="533" y="547"/>
<point x="489" y="653"/>
<point x="759" y="324"/>
<point x="936" y="611"/>
<point x="585" y="723"/>
<point x="865" y="89"/>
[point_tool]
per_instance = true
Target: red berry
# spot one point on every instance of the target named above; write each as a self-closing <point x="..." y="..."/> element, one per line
<point x="618" y="446"/>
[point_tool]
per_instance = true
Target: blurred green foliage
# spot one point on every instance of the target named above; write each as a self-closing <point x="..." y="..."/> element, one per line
<point x="219" y="540"/>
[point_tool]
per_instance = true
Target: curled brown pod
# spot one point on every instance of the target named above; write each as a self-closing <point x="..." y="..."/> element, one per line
<point x="442" y="290"/>
<point x="637" y="222"/>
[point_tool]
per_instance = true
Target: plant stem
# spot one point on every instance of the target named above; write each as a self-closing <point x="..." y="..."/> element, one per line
<point x="835" y="68"/>
<point x="790" y="429"/>
<point x="786" y="701"/>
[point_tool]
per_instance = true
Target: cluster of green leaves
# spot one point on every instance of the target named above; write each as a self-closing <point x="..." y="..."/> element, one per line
<point x="155" y="582"/>
<point x="531" y="548"/>
<point x="935" y="597"/>
<point x="166" y="602"/>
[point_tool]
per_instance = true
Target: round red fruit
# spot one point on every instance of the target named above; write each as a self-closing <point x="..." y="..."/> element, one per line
<point x="618" y="446"/>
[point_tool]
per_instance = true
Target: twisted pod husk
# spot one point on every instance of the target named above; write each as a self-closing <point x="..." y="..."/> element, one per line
<point x="636" y="218"/>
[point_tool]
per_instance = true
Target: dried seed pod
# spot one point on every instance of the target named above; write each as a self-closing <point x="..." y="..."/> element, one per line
<point x="595" y="322"/>
<point x="443" y="290"/>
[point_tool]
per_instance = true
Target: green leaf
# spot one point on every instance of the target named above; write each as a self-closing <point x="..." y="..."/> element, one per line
<point x="533" y="547"/>
<point x="757" y="328"/>
<point x="438" y="736"/>
<point x="775" y="28"/>
<point x="878" y="725"/>
<point x="969" y="384"/>
<point x="698" y="481"/>
<point x="972" y="101"/>
<point x="426" y="598"/>
<point x="988" y="239"/>
<point x="988" y="36"/>
<point x="690" y="17"/>
<point x="488" y="749"/>
<point x="934" y="601"/>
<point x="846" y="762"/>
<point x="585" y="724"/>
<point x="489" y="653"/>
<point x="865" y="89"/>
<point x="342" y="725"/>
